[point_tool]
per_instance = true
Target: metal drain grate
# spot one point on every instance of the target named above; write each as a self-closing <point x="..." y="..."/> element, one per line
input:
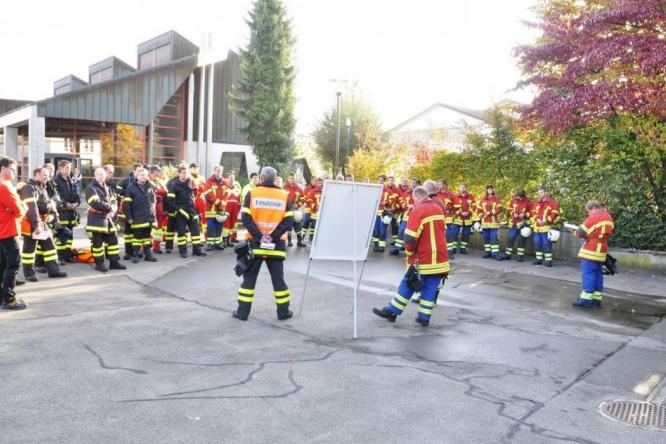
<point x="637" y="413"/>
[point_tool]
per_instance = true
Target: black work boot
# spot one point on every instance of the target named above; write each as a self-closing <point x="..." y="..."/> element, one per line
<point x="115" y="264"/>
<point x="243" y="311"/>
<point x="54" y="270"/>
<point x="149" y="256"/>
<point x="197" y="251"/>
<point x="299" y="242"/>
<point x="135" y="256"/>
<point x="385" y="313"/>
<point x="99" y="265"/>
<point x="423" y="322"/>
<point x="14" y="304"/>
<point x="183" y="252"/>
<point x="29" y="273"/>
<point x="283" y="312"/>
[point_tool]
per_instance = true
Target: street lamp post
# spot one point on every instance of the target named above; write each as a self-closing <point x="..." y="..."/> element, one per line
<point x="337" y="136"/>
<point x="348" y="122"/>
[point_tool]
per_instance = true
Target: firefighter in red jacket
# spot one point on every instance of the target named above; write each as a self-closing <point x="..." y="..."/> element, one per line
<point x="489" y="210"/>
<point x="215" y="199"/>
<point x="447" y="198"/>
<point x="406" y="204"/>
<point x="596" y="230"/>
<point x="307" y="216"/>
<point x="233" y="208"/>
<point x="295" y="197"/>
<point x="546" y="212"/>
<point x="464" y="205"/>
<point x="427" y="260"/>
<point x="519" y="211"/>
<point x="155" y="177"/>
<point x="380" y="228"/>
<point x="394" y="197"/>
<point x="312" y="202"/>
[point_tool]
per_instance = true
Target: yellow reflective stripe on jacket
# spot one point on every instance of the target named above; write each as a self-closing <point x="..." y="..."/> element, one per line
<point x="171" y="195"/>
<point x="184" y="213"/>
<point x="30" y="199"/>
<point x="142" y="225"/>
<point x="92" y="198"/>
<point x="434" y="268"/>
<point x="100" y="229"/>
<point x="603" y="223"/>
<point x="127" y="199"/>
<point x="246" y="210"/>
<point x="592" y="255"/>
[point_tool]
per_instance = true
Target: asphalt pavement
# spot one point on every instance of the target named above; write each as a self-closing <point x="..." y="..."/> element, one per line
<point x="152" y="354"/>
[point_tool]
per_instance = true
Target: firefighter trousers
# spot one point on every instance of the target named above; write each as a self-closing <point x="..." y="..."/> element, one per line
<point x="48" y="252"/>
<point x="429" y="294"/>
<point x="280" y="289"/>
<point x="512" y="238"/>
<point x="190" y="222"/>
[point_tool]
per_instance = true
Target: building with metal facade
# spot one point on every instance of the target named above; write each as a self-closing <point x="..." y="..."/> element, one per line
<point x="171" y="107"/>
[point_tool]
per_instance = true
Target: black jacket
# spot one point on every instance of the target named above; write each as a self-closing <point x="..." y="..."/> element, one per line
<point x="40" y="205"/>
<point x="180" y="197"/>
<point x="102" y="202"/>
<point x="126" y="182"/>
<point x="140" y="204"/>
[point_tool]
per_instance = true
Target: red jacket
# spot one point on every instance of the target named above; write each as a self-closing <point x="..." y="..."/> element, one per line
<point x="519" y="206"/>
<point x="425" y="238"/>
<point x="12" y="210"/>
<point x="447" y="199"/>
<point x="393" y="198"/>
<point x="295" y="192"/>
<point x="215" y="195"/>
<point x="595" y="230"/>
<point x="492" y="205"/>
<point x="313" y="201"/>
<point x="546" y="210"/>
<point x="466" y="203"/>
<point x="307" y="195"/>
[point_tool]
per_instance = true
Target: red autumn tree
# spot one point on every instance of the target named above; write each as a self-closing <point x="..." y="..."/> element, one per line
<point x="596" y="59"/>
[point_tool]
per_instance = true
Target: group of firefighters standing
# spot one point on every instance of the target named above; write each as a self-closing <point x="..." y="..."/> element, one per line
<point x="430" y="223"/>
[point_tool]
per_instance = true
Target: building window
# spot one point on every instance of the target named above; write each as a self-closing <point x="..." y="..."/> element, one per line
<point x="101" y="76"/>
<point x="63" y="89"/>
<point x="155" y="57"/>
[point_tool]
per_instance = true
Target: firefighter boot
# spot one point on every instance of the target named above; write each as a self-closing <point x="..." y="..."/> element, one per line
<point x="29" y="273"/>
<point x="289" y="242"/>
<point x="183" y="252"/>
<point x="548" y="264"/>
<point x="423" y="322"/>
<point x="197" y="251"/>
<point x="156" y="247"/>
<point x="54" y="270"/>
<point x="283" y="312"/>
<point x="385" y="313"/>
<point x="135" y="256"/>
<point x="395" y="251"/>
<point x="537" y="262"/>
<point x="99" y="265"/>
<point x="243" y="311"/>
<point x="300" y="242"/>
<point x="115" y="264"/>
<point x="149" y="256"/>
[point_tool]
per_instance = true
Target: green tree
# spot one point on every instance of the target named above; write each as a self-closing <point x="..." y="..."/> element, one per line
<point x="364" y="126"/>
<point x="263" y="96"/>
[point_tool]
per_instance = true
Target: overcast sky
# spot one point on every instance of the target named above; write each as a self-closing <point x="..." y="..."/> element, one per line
<point x="404" y="54"/>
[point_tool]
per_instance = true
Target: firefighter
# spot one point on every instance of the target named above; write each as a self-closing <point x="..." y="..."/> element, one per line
<point x="380" y="228"/>
<point x="268" y="217"/>
<point x="394" y="197"/>
<point x="181" y="195"/>
<point x="215" y="197"/>
<point x="595" y="231"/>
<point x="406" y="204"/>
<point x="233" y="208"/>
<point x="52" y="193"/>
<point x="447" y="197"/>
<point x="489" y="210"/>
<point x="68" y="215"/>
<point x="100" y="226"/>
<point x="295" y="197"/>
<point x="464" y="205"/>
<point x="41" y="211"/>
<point x="427" y="260"/>
<point x="171" y="211"/>
<point x="12" y="210"/>
<point x="155" y="177"/>
<point x="128" y="234"/>
<point x="519" y="210"/>
<point x="51" y="185"/>
<point x="140" y="201"/>
<point x="546" y="212"/>
<point x="198" y="179"/>
<point x="254" y="181"/>
<point x="313" y="201"/>
<point x="307" y="217"/>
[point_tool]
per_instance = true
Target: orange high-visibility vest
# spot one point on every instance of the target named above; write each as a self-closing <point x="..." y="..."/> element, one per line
<point x="268" y="207"/>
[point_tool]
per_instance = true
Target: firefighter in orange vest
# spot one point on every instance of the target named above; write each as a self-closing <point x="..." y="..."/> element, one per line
<point x="268" y="217"/>
<point x="215" y="196"/>
<point x="596" y="230"/>
<point x="489" y="209"/>
<point x="427" y="260"/>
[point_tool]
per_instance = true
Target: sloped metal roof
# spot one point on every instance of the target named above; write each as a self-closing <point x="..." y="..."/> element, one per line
<point x="133" y="99"/>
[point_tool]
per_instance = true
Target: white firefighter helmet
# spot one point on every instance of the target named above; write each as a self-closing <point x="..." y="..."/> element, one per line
<point x="221" y="217"/>
<point x="386" y="219"/>
<point x="476" y="227"/>
<point x="526" y="231"/>
<point x="298" y="215"/>
<point x="553" y="235"/>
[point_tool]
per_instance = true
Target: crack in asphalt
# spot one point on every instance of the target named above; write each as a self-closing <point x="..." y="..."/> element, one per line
<point x="103" y="365"/>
